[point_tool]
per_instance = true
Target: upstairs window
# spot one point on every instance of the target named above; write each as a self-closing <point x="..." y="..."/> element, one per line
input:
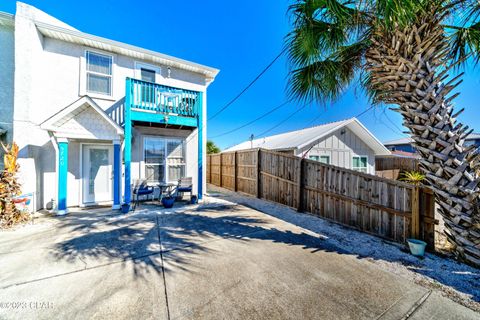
<point x="99" y="73"/>
<point x="360" y="163"/>
<point x="322" y="159"/>
<point x="147" y="75"/>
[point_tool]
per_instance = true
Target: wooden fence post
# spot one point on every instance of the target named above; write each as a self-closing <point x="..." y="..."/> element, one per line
<point x="221" y="178"/>
<point x="235" y="171"/>
<point x="209" y="167"/>
<point x="416" y="212"/>
<point x="259" y="172"/>
<point x="300" y="185"/>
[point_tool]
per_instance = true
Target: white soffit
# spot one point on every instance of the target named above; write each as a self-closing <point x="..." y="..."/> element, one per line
<point x="89" y="40"/>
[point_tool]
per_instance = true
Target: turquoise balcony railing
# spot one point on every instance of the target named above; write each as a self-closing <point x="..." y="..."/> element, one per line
<point x="156" y="98"/>
<point x="148" y="102"/>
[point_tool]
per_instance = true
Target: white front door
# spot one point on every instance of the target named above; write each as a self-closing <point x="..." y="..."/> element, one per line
<point x="97" y="173"/>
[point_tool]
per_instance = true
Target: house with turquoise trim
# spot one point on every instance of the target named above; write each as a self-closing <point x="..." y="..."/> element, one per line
<point x="92" y="116"/>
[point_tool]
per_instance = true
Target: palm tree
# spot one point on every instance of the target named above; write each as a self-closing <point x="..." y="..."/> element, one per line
<point x="212" y="147"/>
<point x="409" y="54"/>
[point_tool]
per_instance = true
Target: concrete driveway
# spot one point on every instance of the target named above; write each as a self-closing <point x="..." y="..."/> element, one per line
<point x="218" y="260"/>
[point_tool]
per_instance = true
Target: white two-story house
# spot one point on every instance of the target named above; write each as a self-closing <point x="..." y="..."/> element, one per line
<point x="92" y="115"/>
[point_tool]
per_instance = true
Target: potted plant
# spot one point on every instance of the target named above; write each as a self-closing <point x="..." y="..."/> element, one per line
<point x="168" y="201"/>
<point x="193" y="199"/>
<point x="125" y="208"/>
<point x="413" y="177"/>
<point x="416" y="246"/>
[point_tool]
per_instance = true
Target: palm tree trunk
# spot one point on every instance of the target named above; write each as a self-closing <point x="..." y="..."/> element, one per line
<point x="407" y="69"/>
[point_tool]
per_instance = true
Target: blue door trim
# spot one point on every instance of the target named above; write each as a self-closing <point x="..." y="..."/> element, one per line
<point x="62" y="176"/>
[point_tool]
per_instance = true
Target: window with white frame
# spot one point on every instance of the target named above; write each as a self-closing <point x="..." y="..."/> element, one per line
<point x="147" y="75"/>
<point x="322" y="159"/>
<point x="360" y="163"/>
<point x="164" y="159"/>
<point x="99" y="73"/>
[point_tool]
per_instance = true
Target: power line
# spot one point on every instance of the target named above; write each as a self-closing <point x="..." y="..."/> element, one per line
<point x="248" y="86"/>
<point x="252" y="121"/>
<point x="393" y="123"/>
<point x="363" y="112"/>
<point x="284" y="120"/>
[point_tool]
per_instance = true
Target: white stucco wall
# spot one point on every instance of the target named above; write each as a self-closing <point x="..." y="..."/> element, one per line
<point x="6" y="83"/>
<point x="341" y="146"/>
<point x="49" y="76"/>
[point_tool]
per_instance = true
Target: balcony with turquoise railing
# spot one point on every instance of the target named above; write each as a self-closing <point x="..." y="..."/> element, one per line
<point x="152" y="102"/>
<point x="148" y="102"/>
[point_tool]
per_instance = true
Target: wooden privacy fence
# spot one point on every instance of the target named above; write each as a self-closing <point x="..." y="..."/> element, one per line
<point x="387" y="208"/>
<point x="391" y="167"/>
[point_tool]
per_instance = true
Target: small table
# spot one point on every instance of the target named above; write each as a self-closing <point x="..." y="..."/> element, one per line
<point x="166" y="189"/>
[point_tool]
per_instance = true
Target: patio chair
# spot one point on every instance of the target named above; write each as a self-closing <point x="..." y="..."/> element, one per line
<point x="141" y="189"/>
<point x="184" y="185"/>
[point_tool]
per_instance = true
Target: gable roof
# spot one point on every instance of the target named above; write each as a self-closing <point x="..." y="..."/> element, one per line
<point x="300" y="139"/>
<point x="404" y="141"/>
<point x="77" y="107"/>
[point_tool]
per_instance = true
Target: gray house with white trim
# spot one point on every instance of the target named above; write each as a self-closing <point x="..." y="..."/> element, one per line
<point x="347" y="143"/>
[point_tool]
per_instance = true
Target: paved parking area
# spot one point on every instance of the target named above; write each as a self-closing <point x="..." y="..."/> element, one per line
<point x="217" y="260"/>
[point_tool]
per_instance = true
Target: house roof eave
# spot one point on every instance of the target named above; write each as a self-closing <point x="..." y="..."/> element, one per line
<point x="90" y="40"/>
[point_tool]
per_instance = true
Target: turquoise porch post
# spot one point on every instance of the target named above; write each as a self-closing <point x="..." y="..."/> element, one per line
<point x="200" y="145"/>
<point x="117" y="163"/>
<point x="127" y="156"/>
<point x="62" y="175"/>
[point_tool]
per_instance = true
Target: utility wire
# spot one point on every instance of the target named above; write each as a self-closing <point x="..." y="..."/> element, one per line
<point x="394" y="124"/>
<point x="253" y="121"/>
<point x="248" y="86"/>
<point x="284" y="120"/>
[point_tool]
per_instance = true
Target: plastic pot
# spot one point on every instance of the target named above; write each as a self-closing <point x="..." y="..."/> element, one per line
<point x="193" y="199"/>
<point x="417" y="247"/>
<point x="168" y="202"/>
<point x="125" y="208"/>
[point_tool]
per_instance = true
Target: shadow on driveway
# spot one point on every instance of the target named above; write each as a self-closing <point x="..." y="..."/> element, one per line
<point x="182" y="233"/>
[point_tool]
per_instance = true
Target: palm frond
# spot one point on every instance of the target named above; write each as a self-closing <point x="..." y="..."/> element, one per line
<point x="325" y="80"/>
<point x="464" y="42"/>
<point x="472" y="11"/>
<point x="306" y="44"/>
<point x="400" y="13"/>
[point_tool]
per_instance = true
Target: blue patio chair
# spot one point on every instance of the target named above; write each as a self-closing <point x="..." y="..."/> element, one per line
<point x="184" y="185"/>
<point x="141" y="189"/>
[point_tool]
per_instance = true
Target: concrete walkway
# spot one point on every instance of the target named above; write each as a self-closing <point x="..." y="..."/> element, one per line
<point x="218" y="260"/>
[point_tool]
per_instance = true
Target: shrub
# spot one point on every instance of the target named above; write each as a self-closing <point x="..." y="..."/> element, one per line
<point x="9" y="189"/>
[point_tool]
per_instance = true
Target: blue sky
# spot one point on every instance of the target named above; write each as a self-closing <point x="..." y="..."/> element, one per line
<point x="239" y="38"/>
